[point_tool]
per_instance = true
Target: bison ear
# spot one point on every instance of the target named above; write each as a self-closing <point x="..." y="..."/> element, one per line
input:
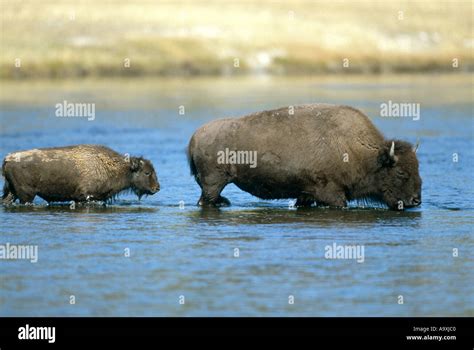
<point x="134" y="164"/>
<point x="387" y="157"/>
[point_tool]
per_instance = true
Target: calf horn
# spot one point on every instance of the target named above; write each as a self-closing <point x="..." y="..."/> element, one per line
<point x="392" y="150"/>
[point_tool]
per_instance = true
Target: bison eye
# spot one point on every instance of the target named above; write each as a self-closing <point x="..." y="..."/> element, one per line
<point x="401" y="173"/>
<point x="147" y="173"/>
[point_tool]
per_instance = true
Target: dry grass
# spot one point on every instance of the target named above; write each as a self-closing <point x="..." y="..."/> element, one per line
<point x="204" y="37"/>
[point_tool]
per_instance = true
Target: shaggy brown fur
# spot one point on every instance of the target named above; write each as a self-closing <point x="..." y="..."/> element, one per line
<point x="321" y="153"/>
<point x="75" y="173"/>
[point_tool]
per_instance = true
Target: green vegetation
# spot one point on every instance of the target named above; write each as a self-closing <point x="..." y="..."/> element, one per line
<point x="67" y="38"/>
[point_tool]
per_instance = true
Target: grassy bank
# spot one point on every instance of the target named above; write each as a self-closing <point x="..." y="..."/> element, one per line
<point x="68" y="38"/>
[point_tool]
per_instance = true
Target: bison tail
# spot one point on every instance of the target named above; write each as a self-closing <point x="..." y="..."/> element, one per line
<point x="7" y="196"/>
<point x="6" y="190"/>
<point x="192" y="166"/>
<point x="191" y="160"/>
<point x="6" y="187"/>
<point x="3" y="167"/>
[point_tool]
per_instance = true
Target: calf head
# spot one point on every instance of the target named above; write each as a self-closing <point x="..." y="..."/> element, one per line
<point x="144" y="179"/>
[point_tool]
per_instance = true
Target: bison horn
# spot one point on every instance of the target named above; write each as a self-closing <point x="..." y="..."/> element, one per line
<point x="392" y="150"/>
<point x="416" y="146"/>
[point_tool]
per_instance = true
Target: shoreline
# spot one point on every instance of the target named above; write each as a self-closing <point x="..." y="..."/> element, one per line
<point x="132" y="75"/>
<point x="96" y="39"/>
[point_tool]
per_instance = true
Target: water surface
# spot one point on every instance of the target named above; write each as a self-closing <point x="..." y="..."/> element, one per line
<point x="190" y="251"/>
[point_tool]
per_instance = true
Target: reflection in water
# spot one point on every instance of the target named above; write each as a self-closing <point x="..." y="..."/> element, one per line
<point x="79" y="209"/>
<point x="321" y="217"/>
<point x="307" y="216"/>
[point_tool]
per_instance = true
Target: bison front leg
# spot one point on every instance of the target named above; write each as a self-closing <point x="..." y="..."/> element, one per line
<point x="331" y="195"/>
<point x="304" y="202"/>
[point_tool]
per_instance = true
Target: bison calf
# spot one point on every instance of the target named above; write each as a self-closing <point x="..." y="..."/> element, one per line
<point x="75" y="173"/>
<point x="319" y="154"/>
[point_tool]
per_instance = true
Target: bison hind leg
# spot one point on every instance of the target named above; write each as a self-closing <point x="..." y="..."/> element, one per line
<point x="8" y="197"/>
<point x="25" y="196"/>
<point x="212" y="187"/>
<point x="11" y="192"/>
<point x="221" y="201"/>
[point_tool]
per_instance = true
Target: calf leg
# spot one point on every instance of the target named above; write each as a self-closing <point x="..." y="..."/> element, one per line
<point x="25" y="194"/>
<point x="8" y="197"/>
<point x="26" y="197"/>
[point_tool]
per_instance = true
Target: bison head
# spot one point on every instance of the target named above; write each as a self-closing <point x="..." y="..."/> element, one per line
<point x="399" y="180"/>
<point x="144" y="179"/>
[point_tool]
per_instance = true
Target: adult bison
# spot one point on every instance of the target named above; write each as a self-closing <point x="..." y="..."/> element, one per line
<point x="318" y="153"/>
<point x="75" y="173"/>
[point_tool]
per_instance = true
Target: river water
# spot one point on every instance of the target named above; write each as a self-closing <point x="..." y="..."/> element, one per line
<point x="164" y="256"/>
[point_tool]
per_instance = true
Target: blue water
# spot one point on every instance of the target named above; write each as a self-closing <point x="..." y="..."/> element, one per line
<point x="189" y="251"/>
